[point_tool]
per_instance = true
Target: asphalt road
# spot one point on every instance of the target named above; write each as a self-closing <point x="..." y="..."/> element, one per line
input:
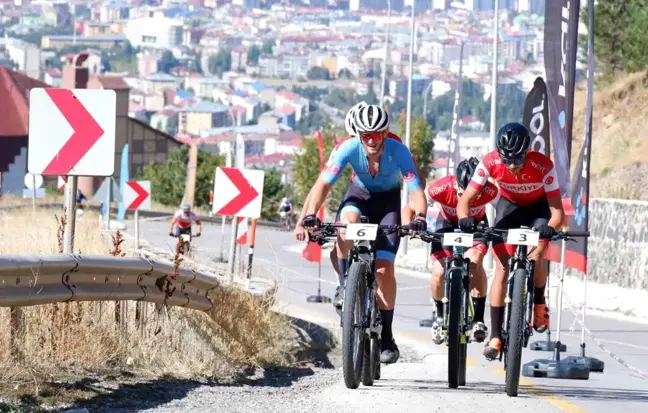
<point x="617" y="389"/>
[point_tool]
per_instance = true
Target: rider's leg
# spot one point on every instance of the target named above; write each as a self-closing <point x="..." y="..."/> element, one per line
<point x="348" y="214"/>
<point x="540" y="310"/>
<point x="334" y="262"/>
<point x="478" y="285"/>
<point x="497" y="296"/>
<point x="386" y="211"/>
<point x="436" y="286"/>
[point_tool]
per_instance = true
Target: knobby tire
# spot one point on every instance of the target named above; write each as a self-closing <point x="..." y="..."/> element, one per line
<point x="516" y="333"/>
<point x="354" y="302"/>
<point x="454" y="332"/>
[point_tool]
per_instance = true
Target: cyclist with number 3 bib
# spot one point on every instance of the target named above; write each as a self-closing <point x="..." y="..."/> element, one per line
<point x="446" y="192"/>
<point x="530" y="196"/>
<point x="377" y="163"/>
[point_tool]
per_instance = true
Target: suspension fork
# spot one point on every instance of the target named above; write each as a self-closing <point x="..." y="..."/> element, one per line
<point x="469" y="311"/>
<point x="529" y="295"/>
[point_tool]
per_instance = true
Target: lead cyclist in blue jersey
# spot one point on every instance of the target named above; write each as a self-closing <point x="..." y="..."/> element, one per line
<point x="378" y="164"/>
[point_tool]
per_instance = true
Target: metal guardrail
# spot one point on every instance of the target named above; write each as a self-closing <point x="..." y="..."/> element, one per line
<point x="36" y="280"/>
<point x="142" y="213"/>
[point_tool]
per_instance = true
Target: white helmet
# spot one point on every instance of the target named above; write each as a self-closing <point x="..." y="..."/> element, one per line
<point x="349" y="121"/>
<point x="371" y="118"/>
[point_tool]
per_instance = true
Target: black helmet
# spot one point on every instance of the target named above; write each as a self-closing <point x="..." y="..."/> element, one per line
<point x="465" y="170"/>
<point x="513" y="140"/>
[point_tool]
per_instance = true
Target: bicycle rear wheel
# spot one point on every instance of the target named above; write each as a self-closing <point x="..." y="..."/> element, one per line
<point x="516" y="333"/>
<point x="454" y="332"/>
<point x="353" y="332"/>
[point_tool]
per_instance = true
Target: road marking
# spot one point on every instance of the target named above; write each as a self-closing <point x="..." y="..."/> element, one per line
<point x="562" y="404"/>
<point x="556" y="401"/>
<point x="605" y="340"/>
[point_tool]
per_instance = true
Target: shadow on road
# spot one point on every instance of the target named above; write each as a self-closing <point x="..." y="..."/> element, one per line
<point x="562" y="391"/>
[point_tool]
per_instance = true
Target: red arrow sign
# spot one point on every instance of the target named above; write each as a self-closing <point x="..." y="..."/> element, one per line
<point x="142" y="194"/>
<point x="247" y="193"/>
<point x="86" y="132"/>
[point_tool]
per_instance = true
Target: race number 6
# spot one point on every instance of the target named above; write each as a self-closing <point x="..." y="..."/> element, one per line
<point x="361" y="232"/>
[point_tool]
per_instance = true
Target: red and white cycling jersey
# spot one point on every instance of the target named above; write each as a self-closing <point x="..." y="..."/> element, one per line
<point x="536" y="179"/>
<point x="444" y="193"/>
<point x="183" y="220"/>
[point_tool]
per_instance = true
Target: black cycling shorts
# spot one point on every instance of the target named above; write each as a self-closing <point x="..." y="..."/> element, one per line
<point x="381" y="208"/>
<point x="509" y="216"/>
<point x="439" y="251"/>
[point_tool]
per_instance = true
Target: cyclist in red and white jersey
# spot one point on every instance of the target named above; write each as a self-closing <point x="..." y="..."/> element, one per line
<point x="530" y="196"/>
<point x="182" y="221"/>
<point x="446" y="192"/>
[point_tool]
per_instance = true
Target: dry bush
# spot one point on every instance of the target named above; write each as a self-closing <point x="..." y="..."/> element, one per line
<point x="63" y="340"/>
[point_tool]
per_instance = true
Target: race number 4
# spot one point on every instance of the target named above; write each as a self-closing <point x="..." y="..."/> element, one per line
<point x="523" y="236"/>
<point x="361" y="232"/>
<point x="458" y="239"/>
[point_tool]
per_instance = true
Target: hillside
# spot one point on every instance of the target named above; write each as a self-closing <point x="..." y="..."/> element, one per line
<point x="620" y="137"/>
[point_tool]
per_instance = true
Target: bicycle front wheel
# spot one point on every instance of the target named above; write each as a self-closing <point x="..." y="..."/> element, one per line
<point x="516" y="332"/>
<point x="353" y="332"/>
<point x="454" y="330"/>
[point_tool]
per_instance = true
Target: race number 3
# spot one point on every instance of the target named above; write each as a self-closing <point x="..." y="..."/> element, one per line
<point x="458" y="239"/>
<point x="522" y="236"/>
<point x="361" y="232"/>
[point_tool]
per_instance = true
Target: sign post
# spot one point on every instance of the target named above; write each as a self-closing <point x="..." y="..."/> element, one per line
<point x="137" y="194"/>
<point x="71" y="133"/>
<point x="33" y="182"/>
<point x="239" y="195"/>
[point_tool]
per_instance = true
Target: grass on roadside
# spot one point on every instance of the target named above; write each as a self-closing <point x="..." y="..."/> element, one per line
<point x="65" y="343"/>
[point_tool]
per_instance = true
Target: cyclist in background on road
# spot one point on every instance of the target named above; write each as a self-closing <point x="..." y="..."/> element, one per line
<point x="530" y="196"/>
<point x="285" y="208"/>
<point x="182" y="221"/>
<point x="378" y="164"/>
<point x="446" y="192"/>
<point x="81" y="200"/>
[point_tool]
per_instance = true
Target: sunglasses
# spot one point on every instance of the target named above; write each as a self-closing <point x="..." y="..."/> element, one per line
<point x="514" y="161"/>
<point x="376" y="136"/>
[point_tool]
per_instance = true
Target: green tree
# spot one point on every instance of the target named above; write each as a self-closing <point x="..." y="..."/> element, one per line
<point x="253" y="55"/>
<point x="611" y="24"/>
<point x="318" y="73"/>
<point x="421" y="142"/>
<point x="635" y="47"/>
<point x="273" y="191"/>
<point x="167" y="62"/>
<point x="221" y="62"/>
<point x="345" y="74"/>
<point x="168" y="179"/>
<point x="267" y="46"/>
<point x="306" y="169"/>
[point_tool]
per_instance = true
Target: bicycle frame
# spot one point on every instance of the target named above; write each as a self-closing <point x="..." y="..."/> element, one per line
<point x="519" y="260"/>
<point x="364" y="251"/>
<point x="458" y="265"/>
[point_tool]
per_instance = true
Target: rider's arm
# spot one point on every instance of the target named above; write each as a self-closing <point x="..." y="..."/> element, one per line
<point x="552" y="191"/>
<point x="330" y="174"/>
<point x="411" y="178"/>
<point x="407" y="213"/>
<point x="173" y="221"/>
<point x="479" y="179"/>
<point x="199" y="225"/>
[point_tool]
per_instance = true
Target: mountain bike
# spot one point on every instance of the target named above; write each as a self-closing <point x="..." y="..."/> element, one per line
<point x="361" y="323"/>
<point x="458" y="311"/>
<point x="517" y="328"/>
